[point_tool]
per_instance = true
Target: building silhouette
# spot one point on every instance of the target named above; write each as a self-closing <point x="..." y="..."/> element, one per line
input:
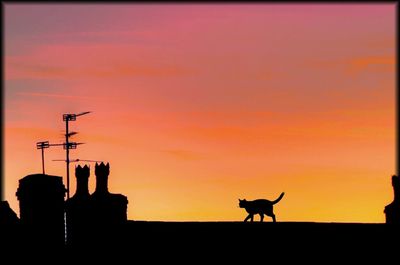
<point x="7" y="215"/>
<point x="10" y="229"/>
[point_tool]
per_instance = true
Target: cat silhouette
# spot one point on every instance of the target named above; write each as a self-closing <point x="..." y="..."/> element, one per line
<point x="260" y="206"/>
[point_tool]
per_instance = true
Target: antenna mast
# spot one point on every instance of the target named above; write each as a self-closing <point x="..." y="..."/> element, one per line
<point x="68" y="145"/>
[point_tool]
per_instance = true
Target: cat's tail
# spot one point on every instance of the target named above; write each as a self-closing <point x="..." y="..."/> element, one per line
<point x="279" y="198"/>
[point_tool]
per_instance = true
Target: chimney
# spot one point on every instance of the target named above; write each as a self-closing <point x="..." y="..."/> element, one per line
<point x="102" y="171"/>
<point x="82" y="181"/>
<point x="41" y="204"/>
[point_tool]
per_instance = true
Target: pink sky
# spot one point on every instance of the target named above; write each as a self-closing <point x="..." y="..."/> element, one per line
<point x="197" y="105"/>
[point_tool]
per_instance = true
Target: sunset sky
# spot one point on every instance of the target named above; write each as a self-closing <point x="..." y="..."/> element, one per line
<point x="195" y="105"/>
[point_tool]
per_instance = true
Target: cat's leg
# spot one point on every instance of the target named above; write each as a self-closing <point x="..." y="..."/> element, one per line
<point x="248" y="217"/>
<point x="252" y="216"/>
<point x="273" y="218"/>
<point x="261" y="217"/>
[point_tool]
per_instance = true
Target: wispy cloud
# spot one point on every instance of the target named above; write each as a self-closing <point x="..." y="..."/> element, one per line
<point x="184" y="154"/>
<point x="31" y="132"/>
<point x="356" y="65"/>
<point x="77" y="61"/>
<point x="34" y="94"/>
<point x="101" y="33"/>
<point x="111" y="70"/>
<point x="371" y="63"/>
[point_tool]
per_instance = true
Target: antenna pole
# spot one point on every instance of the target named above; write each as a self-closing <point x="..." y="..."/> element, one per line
<point x="67" y="151"/>
<point x="43" y="160"/>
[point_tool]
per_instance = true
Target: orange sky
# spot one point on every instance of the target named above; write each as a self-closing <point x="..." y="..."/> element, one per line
<point x="195" y="106"/>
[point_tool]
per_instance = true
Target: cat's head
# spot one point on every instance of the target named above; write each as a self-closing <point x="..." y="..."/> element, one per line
<point x="242" y="203"/>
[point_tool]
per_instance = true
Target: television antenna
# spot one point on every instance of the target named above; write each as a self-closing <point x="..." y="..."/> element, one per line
<point x="45" y="144"/>
<point x="42" y="145"/>
<point x="70" y="145"/>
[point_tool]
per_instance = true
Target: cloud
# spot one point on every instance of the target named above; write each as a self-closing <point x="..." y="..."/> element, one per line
<point x="54" y="71"/>
<point x="184" y="154"/>
<point x="33" y="94"/>
<point x="30" y="132"/>
<point x="371" y="63"/>
<point x="357" y="64"/>
<point x="71" y="61"/>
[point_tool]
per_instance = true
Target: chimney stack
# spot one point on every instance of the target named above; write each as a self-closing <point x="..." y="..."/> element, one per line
<point x="102" y="171"/>
<point x="82" y="181"/>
